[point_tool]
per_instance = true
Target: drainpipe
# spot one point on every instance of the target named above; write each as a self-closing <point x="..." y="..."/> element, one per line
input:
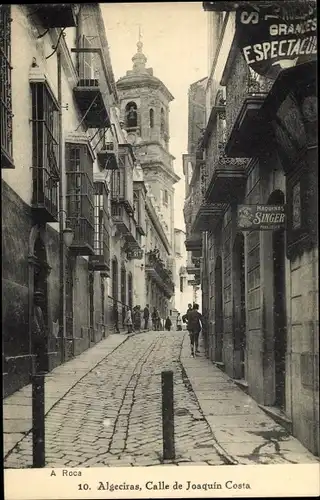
<point x="61" y="217"/>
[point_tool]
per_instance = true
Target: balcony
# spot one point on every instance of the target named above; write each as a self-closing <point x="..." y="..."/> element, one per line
<point x="108" y="156"/>
<point x="92" y="87"/>
<point x="246" y="93"/>
<point x="228" y="177"/>
<point x="120" y="217"/>
<point x="133" y="238"/>
<point x="194" y="242"/>
<point x="56" y="15"/>
<point x="193" y="265"/>
<point x="207" y="214"/>
<point x="156" y="270"/>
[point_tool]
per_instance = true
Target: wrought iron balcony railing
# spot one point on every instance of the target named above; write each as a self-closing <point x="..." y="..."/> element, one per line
<point x="246" y="92"/>
<point x="163" y="276"/>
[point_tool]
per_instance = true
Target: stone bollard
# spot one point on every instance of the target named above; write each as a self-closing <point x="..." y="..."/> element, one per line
<point x="167" y="415"/>
<point x="38" y="416"/>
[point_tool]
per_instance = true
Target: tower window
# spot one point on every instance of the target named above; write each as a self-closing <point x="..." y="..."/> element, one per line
<point x="162" y="123"/>
<point x="165" y="197"/>
<point x="131" y="115"/>
<point x="181" y="283"/>
<point x="151" y="113"/>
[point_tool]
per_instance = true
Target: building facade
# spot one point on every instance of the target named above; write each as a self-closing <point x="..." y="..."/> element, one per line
<point x="73" y="204"/>
<point x="186" y="292"/>
<point x="144" y="112"/>
<point x="259" y="149"/>
<point x="191" y="160"/>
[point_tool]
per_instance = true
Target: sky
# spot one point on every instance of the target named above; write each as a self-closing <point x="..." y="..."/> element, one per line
<point x="174" y="37"/>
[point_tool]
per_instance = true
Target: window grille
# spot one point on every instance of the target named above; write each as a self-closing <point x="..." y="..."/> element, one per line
<point x="45" y="133"/>
<point x="80" y="194"/>
<point x="101" y="222"/>
<point x="5" y="95"/>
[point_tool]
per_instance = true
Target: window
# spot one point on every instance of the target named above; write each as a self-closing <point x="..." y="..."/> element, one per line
<point x="118" y="180"/>
<point x="181" y="283"/>
<point x="165" y="197"/>
<point x="101" y="222"/>
<point x="80" y="195"/>
<point x="151" y="114"/>
<point x="162" y="122"/>
<point x="131" y="115"/>
<point x="136" y="207"/>
<point x="6" y="103"/>
<point x="45" y="133"/>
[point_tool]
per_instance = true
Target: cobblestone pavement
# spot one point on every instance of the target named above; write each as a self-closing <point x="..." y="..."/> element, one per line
<point x="112" y="416"/>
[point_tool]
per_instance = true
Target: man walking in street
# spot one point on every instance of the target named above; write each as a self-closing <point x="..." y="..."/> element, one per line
<point x="155" y="319"/>
<point x="146" y="315"/>
<point x="185" y="316"/>
<point x="195" y="323"/>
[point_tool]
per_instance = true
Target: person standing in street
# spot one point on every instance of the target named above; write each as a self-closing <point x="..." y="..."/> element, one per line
<point x="137" y="319"/>
<point x="146" y="314"/>
<point x="195" y="323"/>
<point x="116" y="317"/>
<point x="155" y="319"/>
<point x="168" y="324"/>
<point x="128" y="321"/>
<point x="179" y="322"/>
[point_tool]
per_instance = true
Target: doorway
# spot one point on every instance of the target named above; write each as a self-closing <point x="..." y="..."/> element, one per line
<point x="218" y="310"/>
<point x="69" y="297"/>
<point x="123" y="292"/>
<point x="239" y="307"/>
<point x="279" y="306"/>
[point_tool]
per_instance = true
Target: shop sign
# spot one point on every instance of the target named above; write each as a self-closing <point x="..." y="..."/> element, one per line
<point x="261" y="217"/>
<point x="277" y="36"/>
<point x="135" y="254"/>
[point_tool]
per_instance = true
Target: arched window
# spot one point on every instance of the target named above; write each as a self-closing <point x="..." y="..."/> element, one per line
<point x="131" y="115"/>
<point x="151" y="114"/>
<point x="162" y="122"/>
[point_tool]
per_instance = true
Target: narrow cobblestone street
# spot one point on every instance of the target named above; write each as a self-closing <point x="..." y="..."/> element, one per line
<point x="103" y="408"/>
<point x="112" y="416"/>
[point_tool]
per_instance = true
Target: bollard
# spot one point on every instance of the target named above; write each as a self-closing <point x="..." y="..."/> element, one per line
<point x="167" y="415"/>
<point x="38" y="415"/>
